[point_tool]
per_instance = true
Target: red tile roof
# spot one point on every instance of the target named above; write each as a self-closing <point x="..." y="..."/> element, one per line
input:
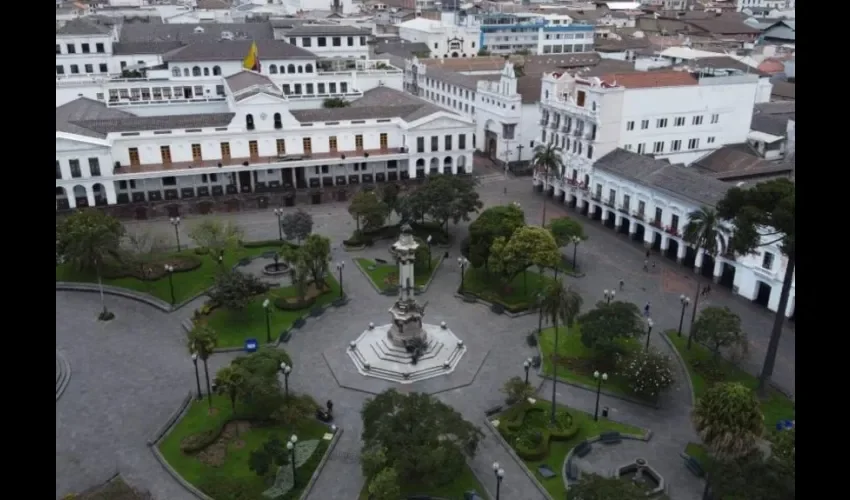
<point x="649" y="79"/>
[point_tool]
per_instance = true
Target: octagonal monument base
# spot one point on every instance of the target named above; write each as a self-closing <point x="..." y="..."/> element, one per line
<point x="375" y="355"/>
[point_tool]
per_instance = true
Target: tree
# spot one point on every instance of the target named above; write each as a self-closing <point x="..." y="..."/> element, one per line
<point x="297" y="225"/>
<point x="365" y="207"/>
<point x="602" y="326"/>
<point x="203" y="341"/>
<point x="216" y="236"/>
<point x="649" y="373"/>
<point x="384" y="486"/>
<point x="548" y="160"/>
<point x="720" y="328"/>
<point x="390" y="196"/>
<point x="300" y="269"/>
<point x="568" y="231"/>
<point x="142" y="247"/>
<point x="706" y="232"/>
<point x="335" y="102"/>
<point x="235" y="290"/>
<point x="764" y="215"/>
<point x="728" y="418"/>
<point x="560" y="305"/>
<point x="529" y="246"/>
<point x="316" y="252"/>
<point x="517" y="390"/>
<point x="373" y="461"/>
<point x="426" y="441"/>
<point x="230" y="381"/>
<point x="751" y="477"/>
<point x="89" y="238"/>
<point x="495" y="222"/>
<point x="265" y="460"/>
<point x="449" y="198"/>
<point x="596" y="487"/>
<point x="260" y="394"/>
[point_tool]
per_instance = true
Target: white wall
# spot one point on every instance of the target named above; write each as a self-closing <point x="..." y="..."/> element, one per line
<point x="357" y="49"/>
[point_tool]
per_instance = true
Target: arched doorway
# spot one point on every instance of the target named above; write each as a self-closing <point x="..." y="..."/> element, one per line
<point x="611" y="220"/>
<point x="447" y="165"/>
<point x="690" y="257"/>
<point x="80" y="196"/>
<point x="672" y="249"/>
<point x="420" y="168"/>
<point x="707" y="266"/>
<point x="763" y="292"/>
<point x="727" y="279"/>
<point x="491" y="140"/>
<point x="99" y="195"/>
<point x="434" y="167"/>
<point x="461" y="164"/>
<point x="455" y="54"/>
<point x="62" y="199"/>
<point x="640" y="232"/>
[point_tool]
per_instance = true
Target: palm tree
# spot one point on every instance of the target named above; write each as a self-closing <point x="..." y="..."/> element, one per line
<point x="547" y="159"/>
<point x="728" y="419"/>
<point x="230" y="381"/>
<point x="706" y="232"/>
<point x="559" y="305"/>
<point x="202" y="341"/>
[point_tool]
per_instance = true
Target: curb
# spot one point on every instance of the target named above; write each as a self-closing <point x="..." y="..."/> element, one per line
<point x="517" y="459"/>
<point x="150" y="300"/>
<point x="417" y="291"/>
<point x="64" y="374"/>
<point x="683" y="365"/>
<point x="488" y="304"/>
<point x="318" y="470"/>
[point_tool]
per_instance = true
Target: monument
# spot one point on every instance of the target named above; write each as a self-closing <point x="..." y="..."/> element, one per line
<point x="406" y="350"/>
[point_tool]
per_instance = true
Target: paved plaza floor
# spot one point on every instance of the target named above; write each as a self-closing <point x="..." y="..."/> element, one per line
<point x="131" y="373"/>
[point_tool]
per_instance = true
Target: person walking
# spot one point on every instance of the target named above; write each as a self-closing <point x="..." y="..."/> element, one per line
<point x="646" y="310"/>
<point x="647" y="254"/>
<point x="622" y="284"/>
<point x="645" y="265"/>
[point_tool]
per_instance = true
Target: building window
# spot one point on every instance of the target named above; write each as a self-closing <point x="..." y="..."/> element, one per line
<point x="103" y="68"/>
<point x="383" y="141"/>
<point x="89" y="68"/>
<point x="336" y="41"/>
<point x="693" y="143"/>
<point x="630" y="126"/>
<point x="680" y="121"/>
<point x="420" y="144"/>
<point x="448" y="141"/>
<point x="58" y="49"/>
<point x="658" y="147"/>
<point x="580" y="96"/>
<point x="323" y="42"/>
<point x="641" y="207"/>
<point x="358" y="142"/>
<point x="332" y="144"/>
<point x="98" y="47"/>
<point x="293" y="41"/>
<point x="60" y="70"/>
<point x="697" y="120"/>
<point x="58" y="171"/>
<point x="308" y="68"/>
<point x="225" y="151"/>
<point x="253" y="150"/>
<point x="350" y="41"/>
<point x="589" y="152"/>
<point x="85" y="48"/>
<point x="196" y="152"/>
<point x="435" y="143"/>
<point x="320" y="88"/>
<point x="249" y="122"/>
<point x="710" y="140"/>
<point x="362" y="40"/>
<point x="626" y="202"/>
<point x="644" y="124"/>
<point x="286" y="89"/>
<point x="767" y="261"/>
<point x="661" y="123"/>
<point x="296" y="89"/>
<point x="658" y="215"/>
<point x="70" y="48"/>
<point x="461" y="141"/>
<point x="75" y="70"/>
<point x="281" y="147"/>
<point x="290" y="68"/>
<point x="715" y="118"/>
<point x="641" y="148"/>
<point x="676" y="145"/>
<point x="134" y="156"/>
<point x="278" y="121"/>
<point x="307" y="144"/>
<point x="216" y="71"/>
<point x="306" y="41"/>
<point x="165" y="153"/>
<point x="76" y="173"/>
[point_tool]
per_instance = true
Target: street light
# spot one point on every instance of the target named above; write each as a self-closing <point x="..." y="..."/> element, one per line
<point x="175" y="221"/>
<point x="286" y="369"/>
<point x="339" y="267"/>
<point x="599" y="379"/>
<point x="649" y="325"/>
<point x="279" y="213"/>
<point x="428" y="241"/>
<point x="197" y="375"/>
<point x="609" y="295"/>
<point x="462" y="263"/>
<point x="221" y="259"/>
<point x="539" y="312"/>
<point x="268" y="309"/>
<point x="170" y="270"/>
<point x="685" y="301"/>
<point x="526" y="365"/>
<point x="290" y="445"/>
<point x="500" y="474"/>
<point x="575" y="240"/>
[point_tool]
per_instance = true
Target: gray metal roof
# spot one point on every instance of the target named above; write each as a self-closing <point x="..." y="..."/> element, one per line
<point x="147" y="123"/>
<point x="325" y="30"/>
<point x="132" y="48"/>
<point x="77" y="27"/>
<point x="402" y="49"/>
<point x="188" y="33"/>
<point x="84" y="109"/>
<point x="236" y="50"/>
<point x="380" y="102"/>
<point x="770" y="124"/>
<point x="245" y="79"/>
<point x="676" y="180"/>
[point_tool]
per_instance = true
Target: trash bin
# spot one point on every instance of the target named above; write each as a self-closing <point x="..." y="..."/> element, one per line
<point x="604" y="412"/>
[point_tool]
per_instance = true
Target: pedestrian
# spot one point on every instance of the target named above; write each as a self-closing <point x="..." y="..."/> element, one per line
<point x="330" y="405"/>
<point x="645" y="265"/>
<point x="646" y="310"/>
<point x="706" y="290"/>
<point x="647" y="254"/>
<point x="622" y="284"/>
<point x="653" y="265"/>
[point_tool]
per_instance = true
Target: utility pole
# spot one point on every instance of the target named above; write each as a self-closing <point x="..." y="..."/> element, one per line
<point x="519" y="149"/>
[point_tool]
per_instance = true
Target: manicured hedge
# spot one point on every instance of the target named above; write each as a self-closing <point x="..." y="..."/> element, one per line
<point x="197" y="442"/>
<point x="180" y="263"/>
<point x="514" y="427"/>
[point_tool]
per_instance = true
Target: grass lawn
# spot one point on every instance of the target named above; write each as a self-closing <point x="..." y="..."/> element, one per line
<point x="454" y="490"/>
<point x="385" y="275"/>
<point x="233" y="327"/>
<point x="776" y="407"/>
<point x="186" y="284"/>
<point x="116" y="489"/>
<point x="519" y="293"/>
<point x="577" y="360"/>
<point x="235" y="466"/>
<point x="698" y="452"/>
<point x="558" y="449"/>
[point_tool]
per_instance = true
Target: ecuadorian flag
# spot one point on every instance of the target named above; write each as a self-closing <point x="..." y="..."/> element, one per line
<point x="252" y="60"/>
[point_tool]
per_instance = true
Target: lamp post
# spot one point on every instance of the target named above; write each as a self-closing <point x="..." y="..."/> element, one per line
<point x="685" y="301"/>
<point x="599" y="379"/>
<point x="428" y="242"/>
<point x="279" y="213"/>
<point x="197" y="375"/>
<point x="266" y="304"/>
<point x="526" y="365"/>
<point x="170" y="270"/>
<point x="500" y="474"/>
<point x="290" y="445"/>
<point x="339" y="267"/>
<point x="609" y="295"/>
<point x="575" y="240"/>
<point x="462" y="263"/>
<point x="649" y="325"/>
<point x="286" y="370"/>
<point x="221" y="259"/>
<point x="539" y="312"/>
<point x="175" y="221"/>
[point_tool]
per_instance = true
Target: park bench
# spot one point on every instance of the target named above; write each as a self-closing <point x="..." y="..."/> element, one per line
<point x="693" y="465"/>
<point x="381" y="261"/>
<point x="535" y="362"/>
<point x="610" y="437"/>
<point x="572" y="471"/>
<point x="582" y="449"/>
<point x="493" y="410"/>
<point x="546" y="472"/>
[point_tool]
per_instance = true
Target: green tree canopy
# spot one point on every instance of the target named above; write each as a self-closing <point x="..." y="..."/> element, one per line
<point x="565" y="230"/>
<point x="234" y="289"/>
<point x="89" y="238"/>
<point x="719" y="328"/>
<point x="528" y="246"/>
<point x="728" y="418"/>
<point x="384" y="485"/>
<point x="229" y="380"/>
<point x="368" y="210"/>
<point x="202" y="340"/>
<point x="495" y="222"/>
<point x="426" y="441"/>
<point x="316" y="252"/>
<point x="335" y="102"/>
<point x="764" y="215"/>
<point x="548" y="160"/>
<point x="751" y="477"/>
<point x="449" y="198"/>
<point x="596" y="487"/>
<point x="260" y="391"/>
<point x="602" y="326"/>
<point x="390" y="196"/>
<point x="215" y="235"/>
<point x="297" y="225"/>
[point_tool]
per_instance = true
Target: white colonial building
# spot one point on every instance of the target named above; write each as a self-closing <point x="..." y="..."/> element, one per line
<point x="452" y="36"/>
<point x="257" y="144"/>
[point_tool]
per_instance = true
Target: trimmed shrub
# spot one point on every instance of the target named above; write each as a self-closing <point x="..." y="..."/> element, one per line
<point x="531" y="340"/>
<point x="296" y="304"/>
<point x="155" y="269"/>
<point x="196" y="442"/>
<point x="523" y="434"/>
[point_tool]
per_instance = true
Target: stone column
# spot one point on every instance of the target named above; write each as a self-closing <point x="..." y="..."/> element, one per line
<point x="632" y="228"/>
<point x="90" y="194"/>
<point x="72" y="200"/>
<point x="681" y="252"/>
<point x="648" y="238"/>
<point x="718" y="270"/>
<point x="619" y="221"/>
<point x="111" y="197"/>
<point x="411" y="168"/>
<point x="604" y="215"/>
<point x="698" y="262"/>
<point x="665" y="242"/>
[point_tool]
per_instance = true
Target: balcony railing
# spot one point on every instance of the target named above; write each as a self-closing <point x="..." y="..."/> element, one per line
<point x="572" y="182"/>
<point x="596" y="197"/>
<point x="543" y="122"/>
<point x="623" y="209"/>
<point x="656" y="224"/>
<point x="638" y="215"/>
<point x="582" y="186"/>
<point x="553" y="125"/>
<point x="565" y="130"/>
<point x="577" y="133"/>
<point x="609" y="203"/>
<point x="672" y="231"/>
